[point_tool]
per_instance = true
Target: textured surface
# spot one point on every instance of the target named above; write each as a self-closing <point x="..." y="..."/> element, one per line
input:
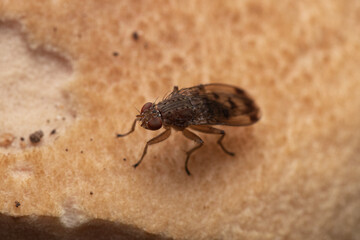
<point x="296" y="172"/>
<point x="33" y="91"/>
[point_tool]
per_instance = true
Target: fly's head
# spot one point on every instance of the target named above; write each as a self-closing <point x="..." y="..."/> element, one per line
<point x="150" y="117"/>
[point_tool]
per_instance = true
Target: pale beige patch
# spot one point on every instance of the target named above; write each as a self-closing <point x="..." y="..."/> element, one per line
<point x="32" y="90"/>
<point x="72" y="214"/>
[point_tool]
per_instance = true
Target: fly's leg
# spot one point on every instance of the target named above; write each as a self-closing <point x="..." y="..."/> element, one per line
<point x="197" y="139"/>
<point x="163" y="136"/>
<point x="212" y="130"/>
<point x="131" y="130"/>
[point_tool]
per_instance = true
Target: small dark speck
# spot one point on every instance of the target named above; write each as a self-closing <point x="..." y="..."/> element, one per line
<point x="240" y="91"/>
<point x="48" y="121"/>
<point x="91" y="193"/>
<point x="254" y="117"/>
<point x="22" y="139"/>
<point x="232" y="104"/>
<point x="55" y="29"/>
<point x="36" y="136"/>
<point x="64" y="118"/>
<point x="226" y="113"/>
<point x="53" y="132"/>
<point x="249" y="103"/>
<point x="115" y="54"/>
<point x="17" y="204"/>
<point x="81" y="151"/>
<point x="124" y="159"/>
<point x="91" y="139"/>
<point x="135" y="36"/>
<point x="66" y="150"/>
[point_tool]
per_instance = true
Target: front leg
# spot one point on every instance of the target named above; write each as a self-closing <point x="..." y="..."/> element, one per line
<point x="131" y="130"/>
<point x="163" y="136"/>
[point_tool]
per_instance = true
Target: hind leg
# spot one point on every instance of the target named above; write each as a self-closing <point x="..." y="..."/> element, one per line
<point x="212" y="130"/>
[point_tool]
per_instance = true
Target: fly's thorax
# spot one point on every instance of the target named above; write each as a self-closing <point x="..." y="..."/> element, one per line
<point x="150" y="117"/>
<point x="176" y="111"/>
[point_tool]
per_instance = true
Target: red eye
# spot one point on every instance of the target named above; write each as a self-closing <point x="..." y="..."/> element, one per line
<point x="154" y="123"/>
<point x="146" y="107"/>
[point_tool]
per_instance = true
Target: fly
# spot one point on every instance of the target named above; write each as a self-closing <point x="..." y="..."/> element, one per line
<point x="197" y="108"/>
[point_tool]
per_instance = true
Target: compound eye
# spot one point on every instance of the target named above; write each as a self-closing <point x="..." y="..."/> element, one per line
<point x="154" y="123"/>
<point x="146" y="107"/>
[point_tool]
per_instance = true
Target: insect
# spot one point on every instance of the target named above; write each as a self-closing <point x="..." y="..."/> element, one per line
<point x="197" y="108"/>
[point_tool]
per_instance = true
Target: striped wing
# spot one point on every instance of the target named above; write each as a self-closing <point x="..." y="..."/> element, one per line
<point x="219" y="104"/>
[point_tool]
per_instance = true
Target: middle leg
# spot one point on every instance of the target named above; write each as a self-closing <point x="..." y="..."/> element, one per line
<point x="197" y="139"/>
